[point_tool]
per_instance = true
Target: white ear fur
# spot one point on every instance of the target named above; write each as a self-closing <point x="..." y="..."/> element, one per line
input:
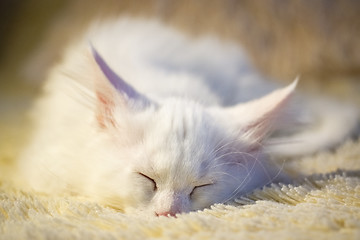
<point x="111" y="90"/>
<point x="255" y="119"/>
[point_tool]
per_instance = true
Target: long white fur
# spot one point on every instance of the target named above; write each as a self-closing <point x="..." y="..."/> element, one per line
<point x="192" y="134"/>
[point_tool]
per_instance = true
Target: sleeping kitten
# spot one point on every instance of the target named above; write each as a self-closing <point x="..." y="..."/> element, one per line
<point x="172" y="138"/>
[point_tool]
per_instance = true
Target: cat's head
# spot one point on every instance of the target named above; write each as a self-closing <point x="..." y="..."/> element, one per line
<point x="180" y="155"/>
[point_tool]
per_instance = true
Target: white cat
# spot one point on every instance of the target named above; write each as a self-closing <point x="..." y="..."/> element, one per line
<point x="171" y="137"/>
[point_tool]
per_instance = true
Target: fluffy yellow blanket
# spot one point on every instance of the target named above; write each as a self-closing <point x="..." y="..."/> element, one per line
<point x="320" y="206"/>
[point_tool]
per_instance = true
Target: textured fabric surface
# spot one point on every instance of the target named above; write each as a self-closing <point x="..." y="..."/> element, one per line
<point x="325" y="204"/>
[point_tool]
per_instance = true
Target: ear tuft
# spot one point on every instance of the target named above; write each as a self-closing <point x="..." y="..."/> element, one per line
<point x="116" y="81"/>
<point x="256" y="119"/>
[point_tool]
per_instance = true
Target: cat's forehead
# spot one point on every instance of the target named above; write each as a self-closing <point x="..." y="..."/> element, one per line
<point x="181" y="137"/>
<point x="183" y="119"/>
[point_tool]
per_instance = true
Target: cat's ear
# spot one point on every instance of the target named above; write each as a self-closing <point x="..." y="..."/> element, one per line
<point x="256" y="119"/>
<point x="111" y="90"/>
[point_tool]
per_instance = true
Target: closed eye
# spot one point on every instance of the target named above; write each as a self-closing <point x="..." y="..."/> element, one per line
<point x="200" y="186"/>
<point x="150" y="179"/>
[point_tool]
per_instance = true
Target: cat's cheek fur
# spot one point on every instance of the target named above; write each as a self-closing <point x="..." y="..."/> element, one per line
<point x="206" y="197"/>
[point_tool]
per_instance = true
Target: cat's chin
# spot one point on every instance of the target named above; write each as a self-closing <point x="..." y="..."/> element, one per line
<point x="149" y="212"/>
<point x="138" y="211"/>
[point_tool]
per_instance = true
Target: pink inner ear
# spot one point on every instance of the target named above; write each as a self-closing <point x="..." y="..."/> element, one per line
<point x="258" y="130"/>
<point x="104" y="116"/>
<point x="112" y="91"/>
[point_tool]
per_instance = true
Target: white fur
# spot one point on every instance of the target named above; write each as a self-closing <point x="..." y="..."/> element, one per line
<point x="184" y="138"/>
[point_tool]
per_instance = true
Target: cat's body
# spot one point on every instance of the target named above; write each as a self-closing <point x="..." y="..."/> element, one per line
<point x="170" y="138"/>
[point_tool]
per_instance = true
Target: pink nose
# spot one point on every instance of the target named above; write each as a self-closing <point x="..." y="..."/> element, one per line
<point x="165" y="214"/>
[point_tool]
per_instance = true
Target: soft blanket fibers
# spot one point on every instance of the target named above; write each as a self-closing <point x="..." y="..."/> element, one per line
<point x="327" y="208"/>
<point x="318" y="207"/>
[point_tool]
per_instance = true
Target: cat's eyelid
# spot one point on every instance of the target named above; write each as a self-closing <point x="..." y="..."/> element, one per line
<point x="206" y="182"/>
<point x="202" y="185"/>
<point x="150" y="179"/>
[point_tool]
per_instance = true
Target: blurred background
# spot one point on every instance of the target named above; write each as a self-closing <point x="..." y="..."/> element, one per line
<point x="317" y="39"/>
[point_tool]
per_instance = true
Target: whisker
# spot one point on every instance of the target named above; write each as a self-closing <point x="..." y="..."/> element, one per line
<point x="241" y="185"/>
